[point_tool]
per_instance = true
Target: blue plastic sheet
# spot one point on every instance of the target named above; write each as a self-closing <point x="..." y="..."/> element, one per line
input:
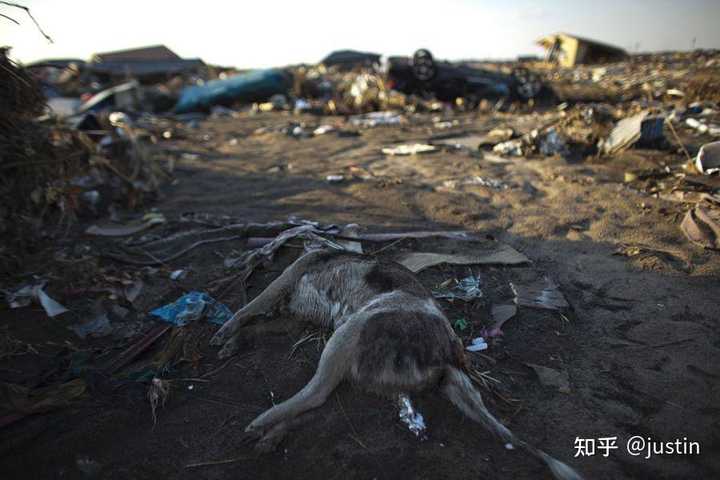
<point x="193" y="306"/>
<point x="255" y="86"/>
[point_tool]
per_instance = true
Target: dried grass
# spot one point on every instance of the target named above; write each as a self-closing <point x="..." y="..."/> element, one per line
<point x="35" y="160"/>
<point x="157" y="395"/>
<point x="12" y="347"/>
<point x="319" y="337"/>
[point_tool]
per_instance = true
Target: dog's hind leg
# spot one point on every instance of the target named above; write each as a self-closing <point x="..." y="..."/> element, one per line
<point x="458" y="388"/>
<point x="332" y="369"/>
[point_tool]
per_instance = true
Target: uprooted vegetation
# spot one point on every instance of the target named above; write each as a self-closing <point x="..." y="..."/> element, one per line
<point x="52" y="173"/>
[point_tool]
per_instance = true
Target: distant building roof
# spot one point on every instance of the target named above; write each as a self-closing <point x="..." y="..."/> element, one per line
<point x="142" y="62"/>
<point x="55" y="63"/>
<point x="151" y="53"/>
<point x="569" y="50"/>
<point x="550" y="39"/>
<point x="146" y="68"/>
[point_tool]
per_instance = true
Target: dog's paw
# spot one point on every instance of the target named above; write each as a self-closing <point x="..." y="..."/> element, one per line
<point x="221" y="336"/>
<point x="229" y="349"/>
<point x="266" y="437"/>
<point x="268" y="443"/>
<point x="251" y="437"/>
<point x="217" y="340"/>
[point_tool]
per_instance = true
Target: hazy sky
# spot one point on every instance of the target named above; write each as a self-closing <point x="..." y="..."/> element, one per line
<point x="280" y="32"/>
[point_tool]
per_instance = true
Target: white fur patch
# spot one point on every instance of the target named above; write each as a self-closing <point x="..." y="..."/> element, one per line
<point x="382" y="300"/>
<point x="431" y="307"/>
<point x="398" y="300"/>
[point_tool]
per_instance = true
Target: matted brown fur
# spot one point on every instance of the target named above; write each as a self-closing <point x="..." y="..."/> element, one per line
<point x="403" y="342"/>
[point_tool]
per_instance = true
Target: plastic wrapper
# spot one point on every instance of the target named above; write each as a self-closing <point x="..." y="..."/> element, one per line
<point x="466" y="289"/>
<point x="191" y="307"/>
<point x="411" y="417"/>
<point x="23" y="297"/>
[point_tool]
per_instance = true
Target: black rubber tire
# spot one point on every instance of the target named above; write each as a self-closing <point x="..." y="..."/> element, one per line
<point x="528" y="85"/>
<point x="423" y="65"/>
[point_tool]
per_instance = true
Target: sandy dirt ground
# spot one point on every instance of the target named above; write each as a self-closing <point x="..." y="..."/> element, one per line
<point x="639" y="344"/>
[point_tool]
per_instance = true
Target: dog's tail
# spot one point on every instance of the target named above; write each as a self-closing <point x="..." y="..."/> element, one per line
<point x="459" y="389"/>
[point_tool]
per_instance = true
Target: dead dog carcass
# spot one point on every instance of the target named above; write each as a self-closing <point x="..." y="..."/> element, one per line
<point x="391" y="338"/>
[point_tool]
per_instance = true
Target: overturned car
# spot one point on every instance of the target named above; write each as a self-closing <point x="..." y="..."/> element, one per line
<point x="423" y="75"/>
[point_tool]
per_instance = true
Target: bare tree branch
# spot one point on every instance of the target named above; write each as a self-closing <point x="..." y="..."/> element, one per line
<point x="10" y="18"/>
<point x="27" y="10"/>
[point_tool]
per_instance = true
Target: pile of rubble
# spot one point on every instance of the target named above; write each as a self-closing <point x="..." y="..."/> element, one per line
<point x="56" y="170"/>
<point x="662" y="77"/>
<point x="107" y="125"/>
<point x="31" y="154"/>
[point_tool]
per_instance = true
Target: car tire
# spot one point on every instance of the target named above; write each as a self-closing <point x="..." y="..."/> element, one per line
<point x="527" y="84"/>
<point x="423" y="65"/>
